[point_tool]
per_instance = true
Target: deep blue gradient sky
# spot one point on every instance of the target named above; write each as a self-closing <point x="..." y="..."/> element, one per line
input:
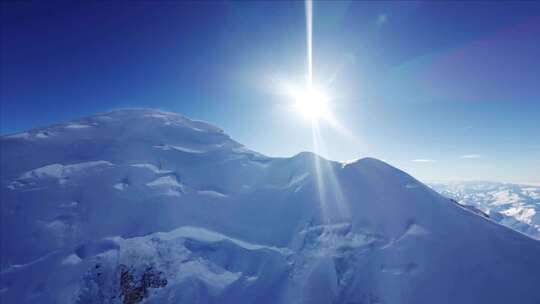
<point x="410" y="80"/>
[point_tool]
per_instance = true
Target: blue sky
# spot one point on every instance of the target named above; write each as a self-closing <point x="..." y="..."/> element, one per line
<point x="446" y="90"/>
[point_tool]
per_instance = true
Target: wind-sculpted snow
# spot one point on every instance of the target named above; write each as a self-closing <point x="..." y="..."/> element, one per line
<point x="186" y="261"/>
<point x="58" y="171"/>
<point x="140" y="205"/>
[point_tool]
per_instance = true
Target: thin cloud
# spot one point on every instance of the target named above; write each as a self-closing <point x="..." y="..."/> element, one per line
<point x="423" y="160"/>
<point x="470" y="156"/>
<point x="381" y="19"/>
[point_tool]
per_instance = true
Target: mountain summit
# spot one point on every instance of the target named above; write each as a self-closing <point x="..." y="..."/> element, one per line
<point x="140" y="205"/>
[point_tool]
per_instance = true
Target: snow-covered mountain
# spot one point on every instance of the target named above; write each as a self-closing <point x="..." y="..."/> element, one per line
<point x="143" y="206"/>
<point x="514" y="205"/>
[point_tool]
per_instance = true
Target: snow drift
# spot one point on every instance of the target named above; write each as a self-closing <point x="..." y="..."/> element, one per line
<point x="146" y="206"/>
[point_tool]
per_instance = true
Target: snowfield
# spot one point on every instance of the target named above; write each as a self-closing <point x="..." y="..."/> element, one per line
<point x="145" y="206"/>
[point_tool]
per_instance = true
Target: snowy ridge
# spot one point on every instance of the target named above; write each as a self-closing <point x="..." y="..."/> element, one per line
<point x="145" y="206"/>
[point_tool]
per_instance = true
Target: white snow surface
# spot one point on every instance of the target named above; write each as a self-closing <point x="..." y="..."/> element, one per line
<point x="60" y="171"/>
<point x="91" y="214"/>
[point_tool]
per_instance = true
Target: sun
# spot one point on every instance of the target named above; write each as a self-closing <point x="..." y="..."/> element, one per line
<point x="312" y="103"/>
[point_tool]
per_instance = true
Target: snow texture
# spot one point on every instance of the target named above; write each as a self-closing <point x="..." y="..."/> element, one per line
<point x="145" y="206"/>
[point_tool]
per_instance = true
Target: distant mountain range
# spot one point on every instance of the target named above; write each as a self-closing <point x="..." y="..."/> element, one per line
<point x="514" y="205"/>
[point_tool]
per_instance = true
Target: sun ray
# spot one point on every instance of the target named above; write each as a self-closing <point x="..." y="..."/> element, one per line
<point x="311" y="102"/>
<point x="333" y="203"/>
<point x="309" y="42"/>
<point x="319" y="175"/>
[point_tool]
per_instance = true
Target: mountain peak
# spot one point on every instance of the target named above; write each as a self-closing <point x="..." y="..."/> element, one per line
<point x="136" y="118"/>
<point x="165" y="117"/>
<point x="152" y="194"/>
<point x="364" y="161"/>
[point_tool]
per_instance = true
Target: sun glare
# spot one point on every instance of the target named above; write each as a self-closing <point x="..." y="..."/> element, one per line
<point x="312" y="103"/>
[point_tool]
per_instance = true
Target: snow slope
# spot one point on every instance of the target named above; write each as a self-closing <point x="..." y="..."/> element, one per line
<point x="513" y="205"/>
<point x="144" y="206"/>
